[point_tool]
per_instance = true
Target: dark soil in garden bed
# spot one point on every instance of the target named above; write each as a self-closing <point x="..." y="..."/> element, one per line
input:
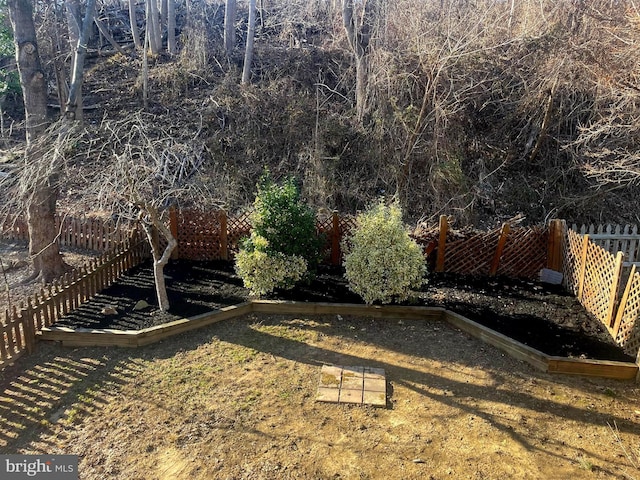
<point x="539" y="315"/>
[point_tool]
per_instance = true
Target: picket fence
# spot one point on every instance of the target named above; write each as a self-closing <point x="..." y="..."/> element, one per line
<point x="615" y="238"/>
<point x="86" y="233"/>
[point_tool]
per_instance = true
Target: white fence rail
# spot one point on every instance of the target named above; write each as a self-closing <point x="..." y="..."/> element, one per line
<point x="615" y="238"/>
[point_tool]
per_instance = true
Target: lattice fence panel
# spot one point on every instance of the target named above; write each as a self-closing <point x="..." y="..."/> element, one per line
<point x="199" y="235"/>
<point x="525" y="252"/>
<point x="238" y="227"/>
<point x="471" y="255"/>
<point x="598" y="280"/>
<point x="347" y="226"/>
<point x="324" y="226"/>
<point x="572" y="260"/>
<point x="628" y="336"/>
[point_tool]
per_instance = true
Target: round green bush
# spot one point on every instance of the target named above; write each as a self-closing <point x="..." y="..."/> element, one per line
<point x="382" y="263"/>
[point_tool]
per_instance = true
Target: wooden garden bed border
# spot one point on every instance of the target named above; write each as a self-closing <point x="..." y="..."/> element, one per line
<point x="82" y="337"/>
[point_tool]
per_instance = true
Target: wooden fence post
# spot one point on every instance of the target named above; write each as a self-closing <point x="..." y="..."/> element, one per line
<point x="444" y="227"/>
<point x="613" y="295"/>
<point x="555" y="246"/>
<point x="26" y="313"/>
<point x="583" y="265"/>
<point x="335" y="238"/>
<point x="173" y="227"/>
<point x="224" y="238"/>
<point x="623" y="303"/>
<point x="504" y="234"/>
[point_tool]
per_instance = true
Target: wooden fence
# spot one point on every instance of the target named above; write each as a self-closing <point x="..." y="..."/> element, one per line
<point x="87" y="233"/>
<point x="512" y="252"/>
<point x="216" y="235"/>
<point x="21" y="323"/>
<point x="595" y="276"/>
<point x="517" y="252"/>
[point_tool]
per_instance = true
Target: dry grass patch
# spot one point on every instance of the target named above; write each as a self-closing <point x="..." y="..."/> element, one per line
<point x="237" y="400"/>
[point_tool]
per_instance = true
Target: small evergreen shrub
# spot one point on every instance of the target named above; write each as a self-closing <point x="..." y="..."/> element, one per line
<point x="288" y="225"/>
<point x="382" y="263"/>
<point x="263" y="271"/>
<point x="283" y="244"/>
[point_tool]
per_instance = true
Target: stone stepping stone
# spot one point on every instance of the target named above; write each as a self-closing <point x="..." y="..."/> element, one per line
<point x="359" y="385"/>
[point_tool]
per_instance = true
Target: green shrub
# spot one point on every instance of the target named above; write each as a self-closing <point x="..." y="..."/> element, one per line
<point x="382" y="263"/>
<point x="263" y="271"/>
<point x="288" y="225"/>
<point x="283" y="244"/>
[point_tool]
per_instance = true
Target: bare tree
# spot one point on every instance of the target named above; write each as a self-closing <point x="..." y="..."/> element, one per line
<point x="171" y="27"/>
<point x="40" y="199"/>
<point x="153" y="32"/>
<point x="230" y="26"/>
<point x="359" y="30"/>
<point x="150" y="172"/>
<point x="133" y="21"/>
<point x="78" y="37"/>
<point x="251" y="33"/>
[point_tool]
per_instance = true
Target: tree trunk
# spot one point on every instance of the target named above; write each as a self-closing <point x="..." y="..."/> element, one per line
<point x="251" y="32"/>
<point x="74" y="21"/>
<point x="153" y="27"/>
<point x="44" y="248"/>
<point x="164" y="8"/>
<point x="171" y="27"/>
<point x="359" y="35"/>
<point x="41" y="199"/>
<point x="229" y="26"/>
<point x="134" y="24"/>
<point x="160" y="259"/>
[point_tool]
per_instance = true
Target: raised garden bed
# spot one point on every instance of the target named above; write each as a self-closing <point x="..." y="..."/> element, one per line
<point x="536" y="317"/>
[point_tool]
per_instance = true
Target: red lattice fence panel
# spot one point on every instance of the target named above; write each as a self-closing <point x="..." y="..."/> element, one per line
<point x="198" y="235"/>
<point x="238" y="227"/>
<point x="524" y="253"/>
<point x="471" y="255"/>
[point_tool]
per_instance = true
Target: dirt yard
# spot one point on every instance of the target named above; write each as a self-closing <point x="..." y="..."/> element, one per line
<point x="236" y="400"/>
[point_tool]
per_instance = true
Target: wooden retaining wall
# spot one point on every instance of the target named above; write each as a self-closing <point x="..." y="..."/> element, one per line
<point x="539" y="360"/>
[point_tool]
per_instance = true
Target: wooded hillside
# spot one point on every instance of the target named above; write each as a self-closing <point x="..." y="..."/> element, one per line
<point x="480" y="109"/>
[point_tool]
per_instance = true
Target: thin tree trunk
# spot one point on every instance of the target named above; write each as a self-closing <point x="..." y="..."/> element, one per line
<point x="153" y="27"/>
<point x="358" y="34"/>
<point x="74" y="105"/>
<point x="229" y="26"/>
<point x="248" y="55"/>
<point x="171" y="27"/>
<point x="105" y="33"/>
<point x="160" y="259"/>
<point x="134" y="24"/>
